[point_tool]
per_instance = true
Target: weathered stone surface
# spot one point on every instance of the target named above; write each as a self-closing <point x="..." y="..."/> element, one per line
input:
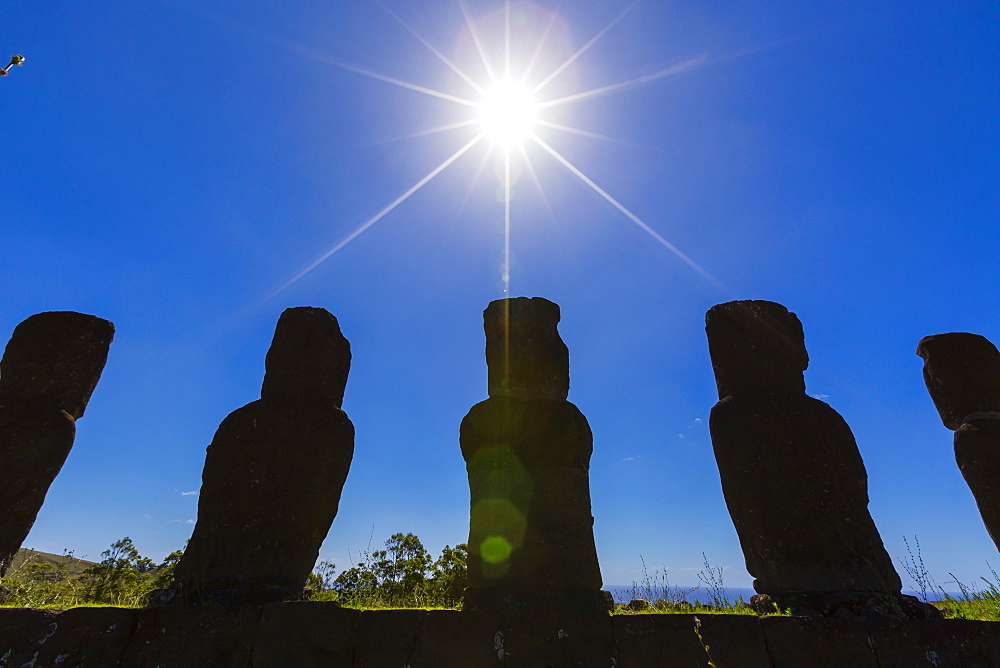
<point x="794" y="642"/>
<point x="525" y="356"/>
<point x="23" y="632"/>
<point x="183" y="637"/>
<point x="273" y="474"/>
<point x="308" y="361"/>
<point x="387" y="637"/>
<point x="670" y="640"/>
<point x="48" y="372"/>
<point x="954" y="643"/>
<point x="451" y="639"/>
<point x="323" y="634"/>
<point x="962" y="372"/>
<point x="88" y="637"/>
<point x="55" y="359"/>
<point x="792" y="475"/>
<point x="977" y="450"/>
<point x="756" y="346"/>
<point x="531" y="539"/>
<point x="306" y="634"/>
<point x="541" y="639"/>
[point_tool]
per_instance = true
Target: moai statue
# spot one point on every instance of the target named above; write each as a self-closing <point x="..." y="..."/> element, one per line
<point x="273" y="473"/>
<point x="792" y="475"/>
<point x="527" y="451"/>
<point x="47" y="374"/>
<point x="962" y="372"/>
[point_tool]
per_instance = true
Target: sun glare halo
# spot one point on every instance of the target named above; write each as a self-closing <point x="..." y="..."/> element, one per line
<point x="508" y="112"/>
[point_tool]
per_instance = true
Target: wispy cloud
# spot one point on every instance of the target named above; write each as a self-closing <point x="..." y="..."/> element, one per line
<point x="821" y="397"/>
<point x="194" y="493"/>
<point x="695" y="424"/>
<point x="188" y="521"/>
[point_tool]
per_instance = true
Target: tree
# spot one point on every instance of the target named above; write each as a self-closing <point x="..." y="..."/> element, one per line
<point x="165" y="571"/>
<point x="404" y="575"/>
<point x="450" y="574"/>
<point x="118" y="579"/>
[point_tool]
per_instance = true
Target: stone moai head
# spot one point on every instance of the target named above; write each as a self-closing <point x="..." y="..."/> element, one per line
<point x="756" y="346"/>
<point x="56" y="358"/>
<point x="962" y="372"/>
<point x="308" y="360"/>
<point x="525" y="357"/>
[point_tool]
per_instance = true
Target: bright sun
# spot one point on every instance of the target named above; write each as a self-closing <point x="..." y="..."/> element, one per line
<point x="507" y="113"/>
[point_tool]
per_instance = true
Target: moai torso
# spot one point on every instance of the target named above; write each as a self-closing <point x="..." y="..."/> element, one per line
<point x="793" y="478"/>
<point x="47" y="374"/>
<point x="527" y="452"/>
<point x="275" y="470"/>
<point x="962" y="373"/>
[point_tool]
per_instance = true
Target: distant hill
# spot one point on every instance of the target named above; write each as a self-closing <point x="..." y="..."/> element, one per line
<point x="74" y="566"/>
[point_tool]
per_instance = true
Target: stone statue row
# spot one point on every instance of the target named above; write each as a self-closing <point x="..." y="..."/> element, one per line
<point x="792" y="475"/>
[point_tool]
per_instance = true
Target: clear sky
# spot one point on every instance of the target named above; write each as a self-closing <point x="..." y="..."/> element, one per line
<point x="172" y="166"/>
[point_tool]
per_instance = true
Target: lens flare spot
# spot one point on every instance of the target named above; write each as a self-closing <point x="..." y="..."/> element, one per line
<point x="495" y="549"/>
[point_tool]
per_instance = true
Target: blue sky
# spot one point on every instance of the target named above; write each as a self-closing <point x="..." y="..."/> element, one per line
<point x="168" y="166"/>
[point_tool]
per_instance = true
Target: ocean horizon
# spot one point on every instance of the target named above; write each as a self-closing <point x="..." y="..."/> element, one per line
<point x="691" y="594"/>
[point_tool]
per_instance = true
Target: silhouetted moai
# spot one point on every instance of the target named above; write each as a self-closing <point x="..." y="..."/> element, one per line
<point x="527" y="452"/>
<point x="273" y="473"/>
<point x="792" y="475"/>
<point x="47" y="374"/>
<point x="962" y="372"/>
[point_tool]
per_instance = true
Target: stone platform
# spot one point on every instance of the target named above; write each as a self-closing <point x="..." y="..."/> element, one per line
<point x="323" y="634"/>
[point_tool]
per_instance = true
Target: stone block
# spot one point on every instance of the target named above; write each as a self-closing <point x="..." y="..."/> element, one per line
<point x="548" y="640"/>
<point x="23" y="634"/>
<point x="951" y="643"/>
<point x="183" y="637"/>
<point x="386" y="638"/>
<point x="452" y="639"/>
<point x="794" y="642"/>
<point x="88" y="637"/>
<point x="670" y="640"/>
<point x="309" y="633"/>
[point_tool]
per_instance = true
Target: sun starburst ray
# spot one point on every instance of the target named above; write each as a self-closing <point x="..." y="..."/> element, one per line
<point x="631" y="216"/>
<point x="457" y="125"/>
<point x="399" y="82"/>
<point x="377" y="217"/>
<point x="534" y="177"/>
<point x="526" y="71"/>
<point x="506" y="39"/>
<point x="583" y="49"/>
<point x="505" y="276"/>
<point x="478" y="173"/>
<point x="576" y="131"/>
<point x="604" y="90"/>
<point x="430" y="47"/>
<point x="475" y="38"/>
